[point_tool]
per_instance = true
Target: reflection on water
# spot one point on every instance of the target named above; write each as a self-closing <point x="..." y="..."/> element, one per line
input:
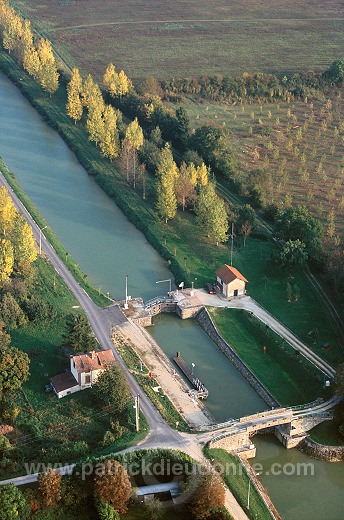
<point x="105" y="244"/>
<point x="230" y="395"/>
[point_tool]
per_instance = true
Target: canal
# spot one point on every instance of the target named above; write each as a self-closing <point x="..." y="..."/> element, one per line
<point x="107" y="247"/>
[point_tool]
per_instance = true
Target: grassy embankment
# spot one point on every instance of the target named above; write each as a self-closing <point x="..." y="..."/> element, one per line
<point x="181" y="242"/>
<point x="190" y="39"/>
<point x="288" y="376"/>
<point x="237" y="480"/>
<point x="48" y="429"/>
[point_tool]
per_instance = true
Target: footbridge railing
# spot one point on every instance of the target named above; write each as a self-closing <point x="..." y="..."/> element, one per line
<point x="157" y="300"/>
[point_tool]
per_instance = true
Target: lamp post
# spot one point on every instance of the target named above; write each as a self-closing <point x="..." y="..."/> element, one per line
<point x="195" y="282"/>
<point x="126" y="292"/>
<point x="40" y="239"/>
<point x="168" y="280"/>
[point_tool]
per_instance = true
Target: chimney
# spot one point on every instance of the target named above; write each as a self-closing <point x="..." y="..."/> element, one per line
<point x="93" y="354"/>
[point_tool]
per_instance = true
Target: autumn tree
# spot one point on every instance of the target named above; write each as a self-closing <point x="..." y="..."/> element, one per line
<point x="49" y="485"/>
<point x="95" y="123"/>
<point x="7" y="212"/>
<point x="202" y="175"/>
<point x="112" y="485"/>
<point x="91" y="95"/>
<point x="185" y="185"/>
<point x="209" y="494"/>
<point x="6" y="260"/>
<point x="211" y="213"/>
<point x="166" y="203"/>
<point x="48" y="75"/>
<point x="23" y="244"/>
<point x="116" y="84"/>
<point x="13" y="505"/>
<point x="74" y="91"/>
<point x="166" y="165"/>
<point x="109" y="141"/>
<point x="112" y="389"/>
<point x="14" y="369"/>
<point x="31" y="61"/>
<point x="132" y="142"/>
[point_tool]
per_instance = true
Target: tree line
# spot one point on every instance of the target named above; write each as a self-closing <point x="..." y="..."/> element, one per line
<point x="258" y="86"/>
<point x="34" y="54"/>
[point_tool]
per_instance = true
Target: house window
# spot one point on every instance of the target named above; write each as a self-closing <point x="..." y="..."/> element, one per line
<point x="88" y="379"/>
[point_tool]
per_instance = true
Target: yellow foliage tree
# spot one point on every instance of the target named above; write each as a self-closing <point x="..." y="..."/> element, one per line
<point x="7" y="212"/>
<point x="74" y="105"/>
<point x="23" y="244"/>
<point x="202" y="175"/>
<point x="6" y="260"/>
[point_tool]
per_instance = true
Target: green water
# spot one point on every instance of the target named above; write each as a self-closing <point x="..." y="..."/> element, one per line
<point x="230" y="395"/>
<point x="314" y="493"/>
<point x="108" y="247"/>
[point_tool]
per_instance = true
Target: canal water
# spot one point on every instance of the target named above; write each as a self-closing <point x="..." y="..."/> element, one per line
<point x="230" y="396"/>
<point x="107" y="247"/>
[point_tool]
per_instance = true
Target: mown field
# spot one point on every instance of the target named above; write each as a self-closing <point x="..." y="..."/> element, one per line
<point x="183" y="39"/>
<point x="298" y="148"/>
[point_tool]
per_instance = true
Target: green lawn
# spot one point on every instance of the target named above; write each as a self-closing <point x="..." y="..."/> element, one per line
<point x="288" y="376"/>
<point x="49" y="429"/>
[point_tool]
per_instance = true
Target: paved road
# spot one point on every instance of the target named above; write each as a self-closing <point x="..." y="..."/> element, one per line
<point x="101" y="320"/>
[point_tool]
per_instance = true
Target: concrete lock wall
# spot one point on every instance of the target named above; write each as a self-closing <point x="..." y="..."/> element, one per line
<point x="207" y="324"/>
<point x="321" y="452"/>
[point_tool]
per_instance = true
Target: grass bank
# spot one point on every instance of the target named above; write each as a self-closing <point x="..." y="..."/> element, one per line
<point x="285" y="373"/>
<point x="237" y="480"/>
<point x="189" y="253"/>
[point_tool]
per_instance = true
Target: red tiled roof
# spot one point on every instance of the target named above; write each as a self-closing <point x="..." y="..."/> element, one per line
<point x="96" y="360"/>
<point x="227" y="274"/>
<point x="63" y="381"/>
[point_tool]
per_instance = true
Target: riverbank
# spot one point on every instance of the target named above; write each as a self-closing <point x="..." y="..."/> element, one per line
<point x="188" y="259"/>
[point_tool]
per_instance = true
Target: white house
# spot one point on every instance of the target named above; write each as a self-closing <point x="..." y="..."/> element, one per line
<point x="230" y="281"/>
<point x="84" y="371"/>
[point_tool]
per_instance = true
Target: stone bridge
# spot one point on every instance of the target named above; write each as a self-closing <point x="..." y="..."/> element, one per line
<point x="290" y="425"/>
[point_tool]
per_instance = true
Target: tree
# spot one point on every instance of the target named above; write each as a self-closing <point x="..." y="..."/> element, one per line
<point x="166" y="203"/>
<point x="116" y="84"/>
<point x="49" y="485"/>
<point x="106" y="511"/>
<point x="246" y="218"/>
<point x="112" y="389"/>
<point x="209" y="494"/>
<point x="23" y="244"/>
<point x="184" y="186"/>
<point x="182" y="130"/>
<point x="211" y="213"/>
<point x="293" y="254"/>
<point x="31" y="62"/>
<point x="74" y="90"/>
<point x="295" y="223"/>
<point x="91" y="95"/>
<point x="11" y="313"/>
<point x="80" y="337"/>
<point x="6" y="260"/>
<point x="109" y="141"/>
<point x="133" y="142"/>
<point x="246" y="230"/>
<point x="7" y="212"/>
<point x="13" y="505"/>
<point x="202" y="175"/>
<point x="154" y="510"/>
<point x="112" y="485"/>
<point x="166" y="165"/>
<point x="95" y="122"/>
<point x="48" y="75"/>
<point x="336" y="72"/>
<point x="14" y="369"/>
